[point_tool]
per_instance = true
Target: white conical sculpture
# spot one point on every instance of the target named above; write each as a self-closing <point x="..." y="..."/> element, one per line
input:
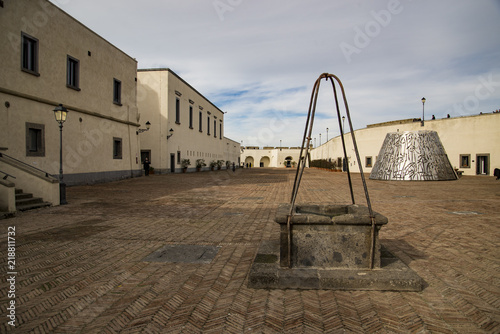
<point x="413" y="156"/>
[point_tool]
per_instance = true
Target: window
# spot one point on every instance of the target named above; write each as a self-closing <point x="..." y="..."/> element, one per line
<point x="117" y="148"/>
<point x="464" y="160"/>
<point x="72" y="73"/>
<point x="190" y="117"/>
<point x="178" y="157"/>
<point x="368" y="161"/>
<point x="117" y="92"/>
<point x="35" y="140"/>
<point x="177" y="111"/>
<point x="220" y="131"/>
<point x="208" y="125"/>
<point x="201" y="122"/>
<point x="215" y="128"/>
<point x="29" y="54"/>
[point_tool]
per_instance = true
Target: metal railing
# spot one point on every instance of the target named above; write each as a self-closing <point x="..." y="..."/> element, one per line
<point x="3" y="155"/>
<point x="7" y="175"/>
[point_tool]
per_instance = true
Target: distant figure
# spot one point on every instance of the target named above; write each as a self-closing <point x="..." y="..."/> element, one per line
<point x="234" y="168"/>
<point x="448" y="116"/>
<point x="146" y="166"/>
<point x="496" y="173"/>
<point x="247" y="164"/>
<point x="433" y="117"/>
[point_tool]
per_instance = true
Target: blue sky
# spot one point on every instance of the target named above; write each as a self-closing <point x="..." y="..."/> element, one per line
<point x="257" y="60"/>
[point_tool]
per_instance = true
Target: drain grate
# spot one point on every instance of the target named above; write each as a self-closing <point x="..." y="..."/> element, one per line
<point x="183" y="254"/>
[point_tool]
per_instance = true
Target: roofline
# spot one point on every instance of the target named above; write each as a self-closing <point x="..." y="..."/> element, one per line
<point x="166" y="69"/>
<point x="90" y="30"/>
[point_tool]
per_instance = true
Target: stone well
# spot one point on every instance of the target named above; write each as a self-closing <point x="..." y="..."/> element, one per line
<point x="329" y="236"/>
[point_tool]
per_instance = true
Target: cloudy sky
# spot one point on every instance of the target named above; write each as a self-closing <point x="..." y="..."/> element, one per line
<point x="258" y="60"/>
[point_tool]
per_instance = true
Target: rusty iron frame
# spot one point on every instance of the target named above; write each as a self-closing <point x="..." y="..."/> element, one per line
<point x="304" y="153"/>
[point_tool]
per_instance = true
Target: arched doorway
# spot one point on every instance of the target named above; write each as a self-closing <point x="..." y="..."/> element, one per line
<point x="249" y="162"/>
<point x="265" y="162"/>
<point x="288" y="162"/>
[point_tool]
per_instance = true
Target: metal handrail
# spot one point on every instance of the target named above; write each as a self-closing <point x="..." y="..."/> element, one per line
<point x="7" y="175"/>
<point x="24" y="163"/>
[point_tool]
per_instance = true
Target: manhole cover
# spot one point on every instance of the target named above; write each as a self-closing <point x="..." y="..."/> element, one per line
<point x="465" y="213"/>
<point x="183" y="254"/>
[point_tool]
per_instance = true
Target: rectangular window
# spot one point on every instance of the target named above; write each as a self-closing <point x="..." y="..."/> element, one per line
<point x="190" y="117"/>
<point x="201" y="122"/>
<point x="72" y="73"/>
<point x="464" y="160"/>
<point x="35" y="140"/>
<point x="117" y="92"/>
<point x="208" y="125"/>
<point x="215" y="128"/>
<point x="220" y="131"/>
<point x="117" y="148"/>
<point x="368" y="161"/>
<point x="178" y="157"/>
<point x="177" y="111"/>
<point x="29" y="54"/>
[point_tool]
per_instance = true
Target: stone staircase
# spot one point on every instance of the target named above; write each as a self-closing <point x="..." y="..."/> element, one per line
<point x="26" y="201"/>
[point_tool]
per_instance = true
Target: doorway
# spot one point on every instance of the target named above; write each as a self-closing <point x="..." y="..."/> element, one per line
<point x="172" y="163"/>
<point x="483" y="164"/>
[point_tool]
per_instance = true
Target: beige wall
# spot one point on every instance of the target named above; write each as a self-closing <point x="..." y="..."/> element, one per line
<point x="93" y="119"/>
<point x="158" y="90"/>
<point x="270" y="157"/>
<point x="473" y="135"/>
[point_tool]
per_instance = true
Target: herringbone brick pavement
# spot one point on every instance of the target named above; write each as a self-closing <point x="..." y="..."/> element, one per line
<point x="80" y="267"/>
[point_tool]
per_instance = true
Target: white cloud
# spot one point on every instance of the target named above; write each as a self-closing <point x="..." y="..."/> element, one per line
<point x="260" y="62"/>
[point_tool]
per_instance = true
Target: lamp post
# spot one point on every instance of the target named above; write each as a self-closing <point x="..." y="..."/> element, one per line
<point x="343" y="123"/>
<point x="280" y="144"/>
<point x="327" y="135"/>
<point x="423" y="103"/>
<point x="60" y="113"/>
<point x="171" y="131"/>
<point x="148" y="125"/>
<point x="320" y="139"/>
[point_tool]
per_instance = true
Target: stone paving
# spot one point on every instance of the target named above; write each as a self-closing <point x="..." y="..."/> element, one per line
<point x="81" y="269"/>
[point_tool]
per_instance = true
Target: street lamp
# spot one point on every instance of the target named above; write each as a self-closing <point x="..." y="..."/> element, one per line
<point x="148" y="125"/>
<point x="343" y="123"/>
<point x="423" y="103"/>
<point x="327" y="135"/>
<point x="60" y="113"/>
<point x="280" y="144"/>
<point x="171" y="131"/>
<point x="320" y="139"/>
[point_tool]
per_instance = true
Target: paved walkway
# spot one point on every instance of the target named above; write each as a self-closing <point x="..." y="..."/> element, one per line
<point x="81" y="269"/>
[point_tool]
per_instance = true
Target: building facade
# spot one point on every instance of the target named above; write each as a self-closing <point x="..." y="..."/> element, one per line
<point x="470" y="142"/>
<point x="184" y="124"/>
<point x="49" y="58"/>
<point x="254" y="156"/>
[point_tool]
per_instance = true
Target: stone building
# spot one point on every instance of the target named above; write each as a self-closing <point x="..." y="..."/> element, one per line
<point x="469" y="141"/>
<point x="184" y="124"/>
<point x="48" y="59"/>
<point x="270" y="156"/>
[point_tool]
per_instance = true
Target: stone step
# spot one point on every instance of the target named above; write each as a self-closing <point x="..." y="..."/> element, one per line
<point x="26" y="201"/>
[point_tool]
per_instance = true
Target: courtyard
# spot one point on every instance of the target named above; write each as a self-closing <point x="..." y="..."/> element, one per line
<point x="86" y="267"/>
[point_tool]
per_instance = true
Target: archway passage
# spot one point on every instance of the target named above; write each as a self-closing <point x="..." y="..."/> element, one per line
<point x="288" y="162"/>
<point x="249" y="162"/>
<point x="265" y="162"/>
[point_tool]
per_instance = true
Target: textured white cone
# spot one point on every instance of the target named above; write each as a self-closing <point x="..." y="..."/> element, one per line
<point x="413" y="156"/>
